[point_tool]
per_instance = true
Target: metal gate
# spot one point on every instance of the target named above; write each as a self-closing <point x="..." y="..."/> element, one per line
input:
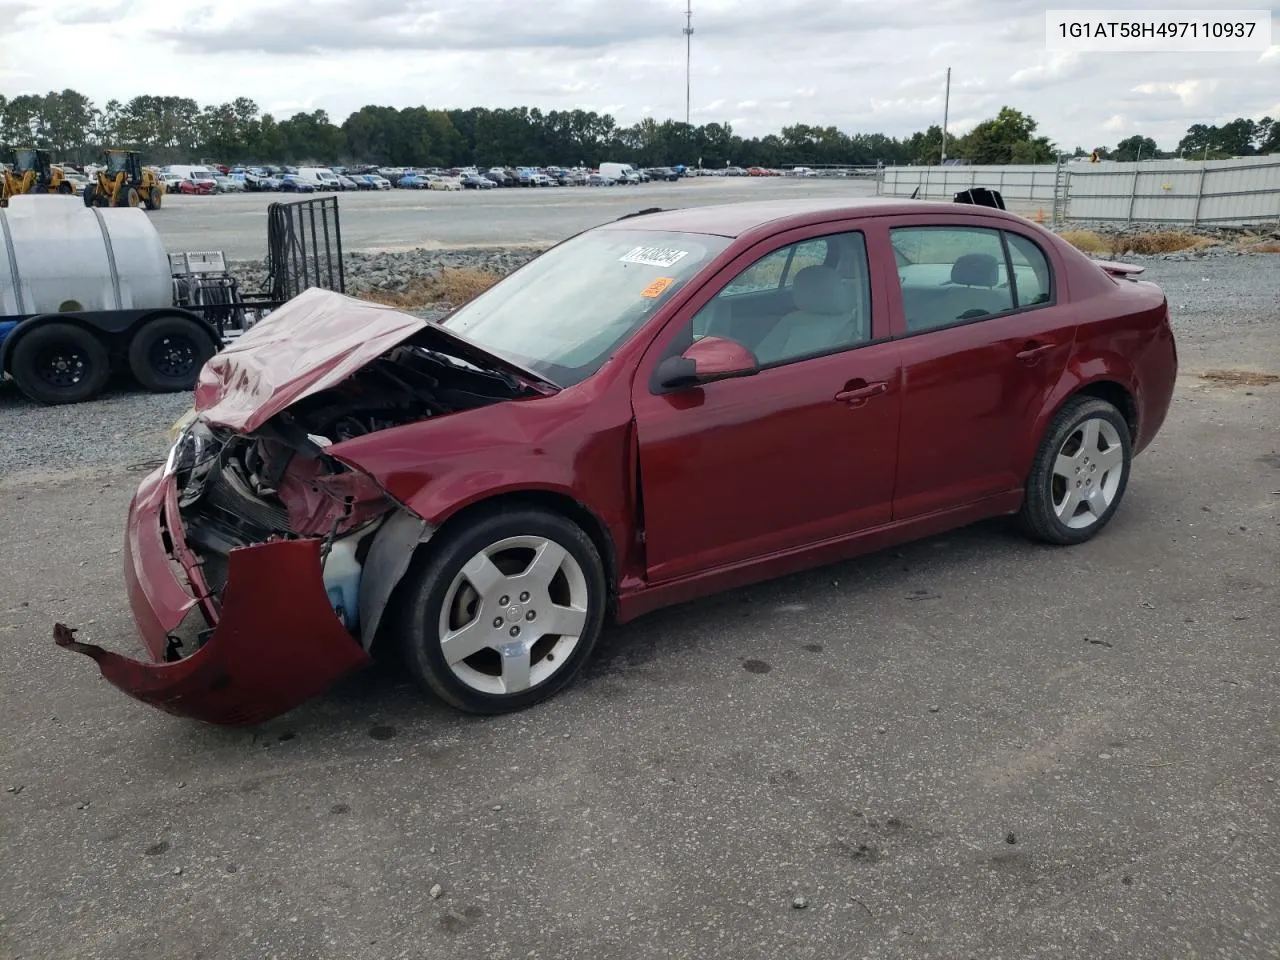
<point x="304" y="247"/>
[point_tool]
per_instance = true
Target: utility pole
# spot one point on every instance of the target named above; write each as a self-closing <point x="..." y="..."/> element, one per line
<point x="688" y="57"/>
<point x="946" y="111"/>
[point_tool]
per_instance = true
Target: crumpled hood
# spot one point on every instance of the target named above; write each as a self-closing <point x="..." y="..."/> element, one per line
<point x="312" y="343"/>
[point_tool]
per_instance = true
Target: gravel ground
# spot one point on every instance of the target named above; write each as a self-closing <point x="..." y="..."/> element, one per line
<point x="126" y="426"/>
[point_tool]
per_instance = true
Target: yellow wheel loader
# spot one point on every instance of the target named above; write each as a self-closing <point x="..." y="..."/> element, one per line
<point x="31" y="172"/>
<point x="124" y="182"/>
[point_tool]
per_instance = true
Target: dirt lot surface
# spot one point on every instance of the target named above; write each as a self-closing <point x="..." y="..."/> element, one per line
<point x="969" y="747"/>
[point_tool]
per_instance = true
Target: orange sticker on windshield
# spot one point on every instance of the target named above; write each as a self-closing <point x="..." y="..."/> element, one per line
<point x="658" y="287"/>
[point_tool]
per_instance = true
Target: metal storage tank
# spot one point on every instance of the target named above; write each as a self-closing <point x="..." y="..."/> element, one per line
<point x="57" y="255"/>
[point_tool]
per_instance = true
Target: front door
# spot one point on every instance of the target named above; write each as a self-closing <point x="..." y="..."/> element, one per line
<point x="801" y="452"/>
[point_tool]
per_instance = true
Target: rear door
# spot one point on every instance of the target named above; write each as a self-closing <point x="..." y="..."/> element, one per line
<point x="986" y="334"/>
<point x="801" y="452"/>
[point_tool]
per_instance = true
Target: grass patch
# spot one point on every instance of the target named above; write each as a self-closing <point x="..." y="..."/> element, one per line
<point x="1240" y="378"/>
<point x="454" y="285"/>
<point x="1086" y="241"/>
<point x="1161" y="241"/>
<point x="1266" y="246"/>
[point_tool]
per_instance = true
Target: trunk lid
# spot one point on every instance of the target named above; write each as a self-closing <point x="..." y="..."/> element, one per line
<point x="312" y="343"/>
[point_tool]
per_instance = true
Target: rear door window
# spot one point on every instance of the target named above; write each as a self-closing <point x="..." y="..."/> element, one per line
<point x="950" y="275"/>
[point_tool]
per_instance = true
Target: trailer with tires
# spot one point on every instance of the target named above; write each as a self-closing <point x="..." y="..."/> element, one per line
<point x="88" y="293"/>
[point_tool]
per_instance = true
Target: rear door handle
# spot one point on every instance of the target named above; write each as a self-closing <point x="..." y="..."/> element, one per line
<point x="1033" y="349"/>
<point x="859" y="395"/>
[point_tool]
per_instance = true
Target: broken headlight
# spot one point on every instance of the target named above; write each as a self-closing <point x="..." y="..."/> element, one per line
<point x="190" y="458"/>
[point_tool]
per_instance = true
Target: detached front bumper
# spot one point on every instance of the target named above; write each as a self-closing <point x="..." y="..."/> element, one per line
<point x="276" y="642"/>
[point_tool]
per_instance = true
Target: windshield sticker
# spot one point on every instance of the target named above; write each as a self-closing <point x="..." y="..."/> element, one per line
<point x="654" y="256"/>
<point x="658" y="287"/>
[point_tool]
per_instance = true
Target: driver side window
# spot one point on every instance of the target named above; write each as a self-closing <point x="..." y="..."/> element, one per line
<point x="802" y="300"/>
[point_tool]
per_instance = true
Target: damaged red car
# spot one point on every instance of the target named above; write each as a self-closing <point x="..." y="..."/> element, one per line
<point x="658" y="408"/>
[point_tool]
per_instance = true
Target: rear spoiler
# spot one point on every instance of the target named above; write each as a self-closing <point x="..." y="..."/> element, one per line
<point x="1119" y="269"/>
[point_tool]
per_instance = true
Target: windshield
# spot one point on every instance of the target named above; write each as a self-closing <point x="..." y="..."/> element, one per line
<point x="565" y="314"/>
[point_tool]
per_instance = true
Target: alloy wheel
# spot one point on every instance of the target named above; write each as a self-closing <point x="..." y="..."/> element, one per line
<point x="513" y="615"/>
<point x="1087" y="473"/>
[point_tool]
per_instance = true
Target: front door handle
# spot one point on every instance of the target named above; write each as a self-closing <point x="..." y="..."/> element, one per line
<point x="1032" y="349"/>
<point x="856" y="396"/>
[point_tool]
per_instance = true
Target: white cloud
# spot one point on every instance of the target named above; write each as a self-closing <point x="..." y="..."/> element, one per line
<point x="862" y="65"/>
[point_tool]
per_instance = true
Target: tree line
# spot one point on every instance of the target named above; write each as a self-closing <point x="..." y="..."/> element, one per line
<point x="178" y="129"/>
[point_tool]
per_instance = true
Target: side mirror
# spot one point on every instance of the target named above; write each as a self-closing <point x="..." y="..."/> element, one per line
<point x="707" y="360"/>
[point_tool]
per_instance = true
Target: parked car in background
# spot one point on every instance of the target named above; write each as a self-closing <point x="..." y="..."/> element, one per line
<point x="292" y="183"/>
<point x="473" y="181"/>
<point x="228" y="184"/>
<point x="500" y="177"/>
<point x="437" y="182"/>
<point x="322" y="177"/>
<point x="261" y="182"/>
<point x="196" y="187"/>
<point x="413" y="181"/>
<point x="375" y="182"/>
<point x="349" y="183"/>
<point x="599" y="180"/>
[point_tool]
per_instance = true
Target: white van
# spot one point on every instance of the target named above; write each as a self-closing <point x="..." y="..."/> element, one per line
<point x="321" y="177"/>
<point x="186" y="171"/>
<point x="619" y="172"/>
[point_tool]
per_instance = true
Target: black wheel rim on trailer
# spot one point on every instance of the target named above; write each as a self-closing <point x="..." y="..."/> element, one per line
<point x="174" y="356"/>
<point x="63" y="366"/>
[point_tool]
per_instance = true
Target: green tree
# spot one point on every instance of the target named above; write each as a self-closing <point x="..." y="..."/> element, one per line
<point x="1135" y="147"/>
<point x="1008" y="138"/>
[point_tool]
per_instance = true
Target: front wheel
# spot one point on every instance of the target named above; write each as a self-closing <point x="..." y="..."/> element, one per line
<point x="1079" y="475"/>
<point x="504" y="611"/>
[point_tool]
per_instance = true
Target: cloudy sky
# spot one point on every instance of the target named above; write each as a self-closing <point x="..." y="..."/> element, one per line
<point x="862" y="65"/>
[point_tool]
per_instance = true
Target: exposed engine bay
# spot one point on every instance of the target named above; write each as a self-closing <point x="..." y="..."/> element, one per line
<point x="235" y="490"/>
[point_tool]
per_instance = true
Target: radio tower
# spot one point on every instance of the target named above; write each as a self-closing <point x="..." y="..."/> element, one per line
<point x="688" y="56"/>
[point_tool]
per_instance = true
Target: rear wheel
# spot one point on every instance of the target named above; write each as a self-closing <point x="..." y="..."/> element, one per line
<point x="166" y="354"/>
<point x="503" y="612"/>
<point x="60" y="363"/>
<point x="66" y="189"/>
<point x="132" y="198"/>
<point x="154" y="198"/>
<point x="1079" y="475"/>
<point x="89" y="192"/>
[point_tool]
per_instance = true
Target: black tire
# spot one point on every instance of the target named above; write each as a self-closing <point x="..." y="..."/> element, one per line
<point x="132" y="198"/>
<point x="66" y="189"/>
<point x="154" y="199"/>
<point x="428" y="585"/>
<point x="60" y="363"/>
<point x="166" y="353"/>
<point x="1039" y="517"/>
<point x="89" y="191"/>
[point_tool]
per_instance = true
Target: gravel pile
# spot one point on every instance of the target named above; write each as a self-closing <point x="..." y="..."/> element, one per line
<point x="398" y="271"/>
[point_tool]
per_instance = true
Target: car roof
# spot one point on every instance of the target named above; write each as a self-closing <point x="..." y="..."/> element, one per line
<point x="737" y="219"/>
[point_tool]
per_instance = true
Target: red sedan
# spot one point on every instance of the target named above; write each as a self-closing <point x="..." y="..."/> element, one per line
<point x="199" y="186"/>
<point x="656" y="409"/>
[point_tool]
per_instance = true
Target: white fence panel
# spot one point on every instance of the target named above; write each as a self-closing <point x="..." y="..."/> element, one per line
<point x="1027" y="183"/>
<point x="1240" y="192"/>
